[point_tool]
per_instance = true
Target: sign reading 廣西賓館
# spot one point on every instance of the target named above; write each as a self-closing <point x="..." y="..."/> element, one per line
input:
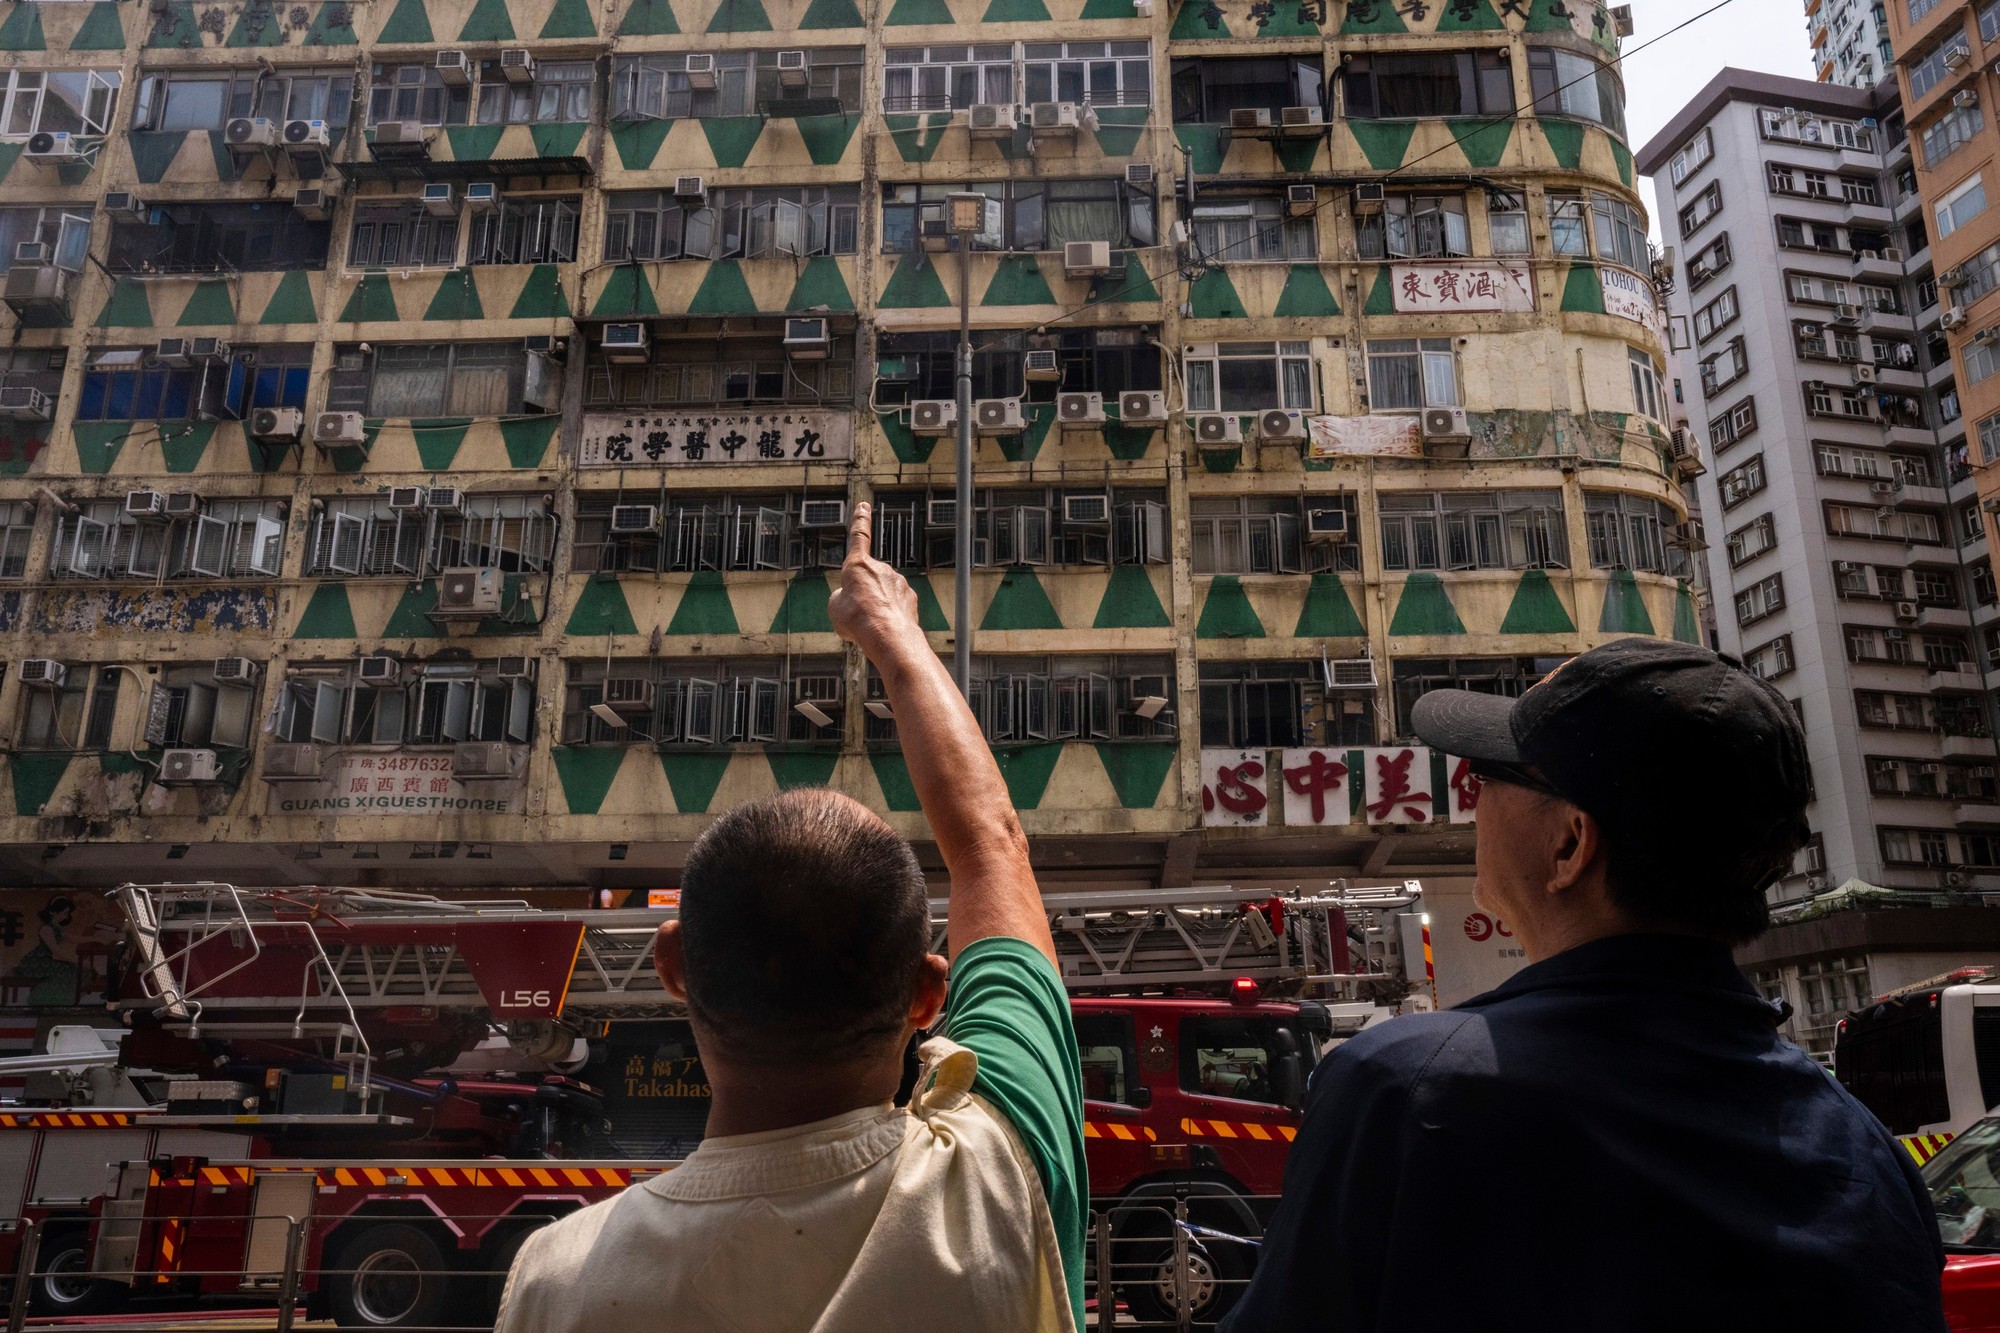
<point x="711" y="438"/>
<point x="399" y="784"/>
<point x="1422" y="288"/>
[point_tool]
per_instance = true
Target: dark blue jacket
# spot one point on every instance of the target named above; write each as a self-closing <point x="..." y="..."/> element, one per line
<point x="1616" y="1139"/>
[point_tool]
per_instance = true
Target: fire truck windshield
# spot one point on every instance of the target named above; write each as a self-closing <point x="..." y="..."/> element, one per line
<point x="1964" y="1182"/>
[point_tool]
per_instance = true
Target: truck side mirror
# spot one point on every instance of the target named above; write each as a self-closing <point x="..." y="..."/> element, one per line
<point x="1141" y="1096"/>
<point x="1289" y="1081"/>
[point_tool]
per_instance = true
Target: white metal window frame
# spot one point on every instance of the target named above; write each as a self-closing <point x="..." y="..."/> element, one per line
<point x="229" y="538"/>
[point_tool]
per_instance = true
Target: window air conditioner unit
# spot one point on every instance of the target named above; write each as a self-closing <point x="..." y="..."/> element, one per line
<point x="481" y="196"/>
<point x="1301" y="200"/>
<point x="469" y="593"/>
<point x="822" y="513"/>
<point x="1867" y="256"/>
<point x="808" y="339"/>
<point x="378" y="672"/>
<point x="1864" y="373"/>
<point x="1080" y="409"/>
<point x="1040" y="364"/>
<point x="145" y="504"/>
<point x="406" y="499"/>
<point x="1368" y="197"/>
<point x="1351" y="673"/>
<point x="936" y="233"/>
<point x="440" y="199"/>
<point x="792" y="69"/>
<point x="124" y="202"/>
<point x="631" y="520"/>
<point x="1217" y="428"/>
<point x="628" y="696"/>
<point x="626" y="343"/>
<point x="998" y="416"/>
<point x="314" y="202"/>
<point x="1326" y="525"/>
<point x="187" y="768"/>
<point x="482" y="759"/>
<point x="700" y="72"/>
<point x="207" y="349"/>
<point x="693" y="189"/>
<point x="307" y="136"/>
<point x="1055" y="117"/>
<point x="174" y="352"/>
<point x="454" y="69"/>
<point x="1884" y="488"/>
<point x="22" y="402"/>
<point x="235" y="671"/>
<point x="1965" y="99"/>
<point x="1892" y="253"/>
<point x="291" y="763"/>
<point x="1896" y="635"/>
<point x="1086" y="259"/>
<point x="56" y="149"/>
<point x="33" y="252"/>
<point x="941" y="513"/>
<point x="1958" y="57"/>
<point x="1250" y="120"/>
<point x="1299" y="121"/>
<point x="1139" y="175"/>
<point x="1087" y="510"/>
<point x="338" y="430"/>
<point x="993" y="120"/>
<point x="183" y="504"/>
<point x="1906" y="611"/>
<point x="401" y="139"/>
<point x="1846" y="313"/>
<point x="514" y="668"/>
<point x="933" y="416"/>
<point x="1279" y="426"/>
<point x="517" y="66"/>
<point x="277" y="425"/>
<point x="1621" y="20"/>
<point x="1142" y="407"/>
<point x="1952" y="318"/>
<point x="1445" y="424"/>
<point x="445" y="500"/>
<point x="42" y="673"/>
<point x="251" y="134"/>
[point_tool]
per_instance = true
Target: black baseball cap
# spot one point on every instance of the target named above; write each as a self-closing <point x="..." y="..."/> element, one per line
<point x="1642" y="733"/>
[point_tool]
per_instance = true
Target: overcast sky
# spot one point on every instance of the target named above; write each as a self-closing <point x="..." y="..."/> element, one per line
<point x="1767" y="35"/>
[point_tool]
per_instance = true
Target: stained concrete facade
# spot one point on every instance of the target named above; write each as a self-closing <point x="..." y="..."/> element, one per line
<point x="1179" y="622"/>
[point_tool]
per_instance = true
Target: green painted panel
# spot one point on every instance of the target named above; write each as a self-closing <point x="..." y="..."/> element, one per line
<point x="908" y="446"/>
<point x="586" y="773"/>
<point x="292" y="301"/>
<point x="1118" y="134"/>
<point x="489" y="21"/>
<point x="542" y="296"/>
<point x="1371" y="16"/>
<point x="35" y="779"/>
<point x="1026" y="770"/>
<point x="1687" y="628"/>
<point x="1551" y="16"/>
<point x="730" y="138"/>
<point x="127" y="307"/>
<point x="1107" y="9"/>
<point x="649" y="18"/>
<point x="1198" y="22"/>
<point x="723" y="291"/>
<point x="919" y="13"/>
<point x="1015" y="11"/>
<point x="917" y="136"/>
<point x="740" y="16"/>
<point x="1136" y="285"/>
<point x="1381" y="295"/>
<point x="1021" y="602"/>
<point x="1137" y="771"/>
<point x="601" y="608"/>
<point x="182" y="445"/>
<point x="10" y="153"/>
<point x="410" y="22"/>
<point x="373" y="301"/>
<point x="1565" y="141"/>
<point x="1470" y="16"/>
<point x="175" y="29"/>
<point x="457" y="298"/>
<point x="626" y="292"/>
<point x="1425" y="608"/>
<point x="23" y="29"/>
<point x="705" y="607"/>
<point x="438" y="440"/>
<point x="1027" y="447"/>
<point x="558" y="139"/>
<point x="209" y="304"/>
<point x="1220" y="460"/>
<point x="1484" y="142"/>
<point x="1131" y="601"/>
<point x="892" y="775"/>
<point x="693" y="776"/>
<point x="1203" y="142"/>
<point x="98" y="444"/>
<point x="568" y="20"/>
<point x="802" y="768"/>
<point x="823" y="15"/>
<point x="1297" y="154"/>
<point x="412" y="617"/>
<point x="1582" y="290"/>
<point x="332" y="26"/>
<point x="826" y="137"/>
<point x="1624" y="607"/>
<point x="153" y="152"/>
<point x="527" y="439"/>
<point x="517" y="611"/>
<point x="1289" y="20"/>
<point x="1214" y="296"/>
<point x="638" y="141"/>
<point x="1383" y="141"/>
<point x="1226" y="612"/>
<point x="473" y="143"/>
<point x="1017" y="280"/>
<point x="1328" y="612"/>
<point x="804" y="610"/>
<point x="328" y="614"/>
<point x="1306" y="295"/>
<point x="1536" y="608"/>
<point x="228" y="166"/>
<point x="258" y="26"/>
<point x="914" y="285"/>
<point x="102" y="29"/>
<point x="1128" y="442"/>
<point x="1623" y="157"/>
<point x="821" y="286"/>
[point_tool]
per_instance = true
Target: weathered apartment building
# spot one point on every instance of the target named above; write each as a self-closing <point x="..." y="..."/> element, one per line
<point x="430" y="424"/>
<point x="1850" y="41"/>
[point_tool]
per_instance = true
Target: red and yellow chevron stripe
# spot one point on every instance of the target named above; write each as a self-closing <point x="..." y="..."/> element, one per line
<point x="67" y="1120"/>
<point x="1923" y="1147"/>
<point x="170" y="1248"/>
<point x="1111" y="1129"/>
<point x="1239" y="1129"/>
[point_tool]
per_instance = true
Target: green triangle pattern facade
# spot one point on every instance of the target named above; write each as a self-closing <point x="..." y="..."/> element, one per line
<point x="826" y="137"/>
<point x="1026" y="770"/>
<point x="327" y="615"/>
<point x="457" y="298"/>
<point x="1214" y="296"/>
<point x="127" y="307"/>
<point x="600" y="609"/>
<point x="36" y="777"/>
<point x="557" y="139"/>
<point x="804" y="610"/>
<point x="332" y="26"/>
<point x="912" y="287"/>
<point x="1536" y="608"/>
<point x="527" y="439"/>
<point x="892" y="775"/>
<point x="1306" y="295"/>
<point x="1381" y="295"/>
<point x="98" y="444"/>
<point x="292" y="301"/>
<point x="23" y="29"/>
<point x="1020" y="602"/>
<point x="473" y="143"/>
<point x="1137" y="772"/>
<point x="1364" y="19"/>
<point x="1131" y="601"/>
<point x="1027" y="447"/>
<point x="412" y="617"/>
<point x="1583" y="290"/>
<point x="1328" y="612"/>
<point x="1484" y="142"/>
<point x="821" y="286"/>
<point x="209" y="304"/>
<point x="1470" y="16"/>
<point x="1203" y="144"/>
<point x="638" y="142"/>
<point x="1118" y="127"/>
<point x="408" y="22"/>
<point x="705" y="607"/>
<point x="438" y="441"/>
<point x="1195" y="23"/>
<point x="626" y="291"/>
<point x="183" y="444"/>
<point x="1565" y="141"/>
<point x="102" y="29"/>
<point x="692" y="777"/>
<point x="489" y="21"/>
<point x="917" y="136"/>
<point x="1687" y="629"/>
<point x="649" y="18"/>
<point x="1425" y="608"/>
<point x="586" y="773"/>
<point x="1226" y="612"/>
<point x="153" y="151"/>
<point x="740" y="16"/>
<point x="905" y="443"/>
<point x="541" y="295"/>
<point x="1383" y="141"/>
<point x="919" y="13"/>
<point x="1624" y="606"/>
<point x="792" y="769"/>
<point x="930" y="612"/>
<point x="1015" y="11"/>
<point x="723" y="291"/>
<point x="568" y="20"/>
<point x="257" y="26"/>
<point x="826" y="15"/>
<point x="373" y="301"/>
<point x="730" y="138"/>
<point x="1017" y="280"/>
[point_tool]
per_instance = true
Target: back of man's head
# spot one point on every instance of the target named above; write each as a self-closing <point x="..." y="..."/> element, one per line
<point x="804" y="925"/>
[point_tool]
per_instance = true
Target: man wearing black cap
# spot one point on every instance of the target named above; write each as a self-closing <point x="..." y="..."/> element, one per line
<point x="1616" y="1139"/>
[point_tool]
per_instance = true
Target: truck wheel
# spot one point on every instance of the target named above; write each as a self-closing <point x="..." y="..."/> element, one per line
<point x="59" y="1285"/>
<point x="390" y="1276"/>
<point x="1215" y="1282"/>
<point x="499" y="1263"/>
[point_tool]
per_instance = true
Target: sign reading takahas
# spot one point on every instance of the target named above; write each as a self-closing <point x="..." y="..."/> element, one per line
<point x="398" y="784"/>
<point x="684" y="439"/>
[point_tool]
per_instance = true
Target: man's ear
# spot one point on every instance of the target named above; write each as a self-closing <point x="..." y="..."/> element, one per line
<point x="1578" y="850"/>
<point x="928" y="1002"/>
<point x="668" y="960"/>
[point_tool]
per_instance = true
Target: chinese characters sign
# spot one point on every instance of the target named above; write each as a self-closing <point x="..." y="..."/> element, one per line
<point x="1233" y="789"/>
<point x="685" y="439"/>
<point x="1424" y="288"/>
<point x="1629" y="296"/>
<point x="399" y="784"/>
<point x="1394" y="436"/>
<point x="1328" y="788"/>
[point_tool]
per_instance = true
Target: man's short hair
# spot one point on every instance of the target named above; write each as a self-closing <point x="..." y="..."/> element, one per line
<point x="804" y="925"/>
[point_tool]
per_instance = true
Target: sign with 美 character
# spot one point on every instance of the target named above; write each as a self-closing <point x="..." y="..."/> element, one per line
<point x="1398" y="785"/>
<point x="1233" y="789"/>
<point x="714" y="438"/>
<point x="1425" y="288"/>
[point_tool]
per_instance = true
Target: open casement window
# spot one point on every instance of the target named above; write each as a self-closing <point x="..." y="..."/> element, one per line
<point x="139" y="549"/>
<point x="397" y="544"/>
<point x="753" y="709"/>
<point x="698" y="538"/>
<point x="760" y="536"/>
<point x="329" y="712"/>
<point x="1019" y="535"/>
<point x="267" y="546"/>
<point x="343" y="554"/>
<point x="90" y="549"/>
<point x="1139" y="534"/>
<point x="208" y="552"/>
<point x="520" y="711"/>
<point x="447" y="711"/>
<point x="701" y="720"/>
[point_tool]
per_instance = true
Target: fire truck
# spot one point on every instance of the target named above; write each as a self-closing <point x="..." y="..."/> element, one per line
<point x="1925" y="1058"/>
<point x="378" y="1096"/>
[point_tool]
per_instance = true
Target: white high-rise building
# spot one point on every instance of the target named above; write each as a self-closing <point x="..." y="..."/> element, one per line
<point x="1850" y="41"/>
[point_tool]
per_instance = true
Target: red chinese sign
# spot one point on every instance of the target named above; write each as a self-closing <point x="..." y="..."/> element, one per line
<point x="1233" y="789"/>
<point x="1317" y="783"/>
<point x="1462" y="286"/>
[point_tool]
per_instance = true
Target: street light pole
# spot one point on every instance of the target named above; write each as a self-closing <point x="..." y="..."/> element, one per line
<point x="966" y="213"/>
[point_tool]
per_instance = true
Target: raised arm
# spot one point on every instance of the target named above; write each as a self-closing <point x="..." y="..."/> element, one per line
<point x="993" y="888"/>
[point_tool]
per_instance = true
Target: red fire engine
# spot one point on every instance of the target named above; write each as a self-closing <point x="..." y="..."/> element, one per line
<point x="318" y="1136"/>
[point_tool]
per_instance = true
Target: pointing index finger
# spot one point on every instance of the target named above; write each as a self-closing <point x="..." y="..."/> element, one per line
<point x="859" y="532"/>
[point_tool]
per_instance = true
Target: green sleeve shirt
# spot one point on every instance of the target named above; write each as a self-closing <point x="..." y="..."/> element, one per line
<point x="1009" y="1008"/>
